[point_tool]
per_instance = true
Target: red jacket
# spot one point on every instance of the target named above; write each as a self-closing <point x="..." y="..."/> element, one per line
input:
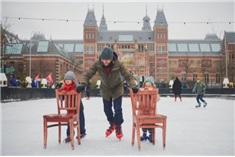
<point x="68" y="88"/>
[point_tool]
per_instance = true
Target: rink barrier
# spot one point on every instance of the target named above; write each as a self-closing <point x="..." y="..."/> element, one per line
<point x="10" y="93"/>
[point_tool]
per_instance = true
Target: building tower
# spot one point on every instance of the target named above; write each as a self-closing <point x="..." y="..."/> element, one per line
<point x="146" y="22"/>
<point x="161" y="51"/>
<point x="103" y="26"/>
<point x="90" y="33"/>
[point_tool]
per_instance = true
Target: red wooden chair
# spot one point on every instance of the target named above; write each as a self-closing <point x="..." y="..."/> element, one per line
<point x="66" y="100"/>
<point x="144" y="113"/>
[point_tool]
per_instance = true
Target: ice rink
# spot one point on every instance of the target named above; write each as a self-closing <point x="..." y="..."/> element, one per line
<point x="190" y="130"/>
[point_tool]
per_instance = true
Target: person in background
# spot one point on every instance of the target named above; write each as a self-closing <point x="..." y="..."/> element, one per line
<point x="177" y="88"/>
<point x="13" y="81"/>
<point x="111" y="71"/>
<point x="200" y="89"/>
<point x="70" y="84"/>
<point x="148" y="84"/>
<point x="18" y="81"/>
<point x="88" y="88"/>
<point x="33" y="84"/>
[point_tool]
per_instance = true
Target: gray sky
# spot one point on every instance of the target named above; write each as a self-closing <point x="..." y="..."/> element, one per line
<point x="216" y="12"/>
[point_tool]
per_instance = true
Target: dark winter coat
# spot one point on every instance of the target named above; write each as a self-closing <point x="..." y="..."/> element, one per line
<point x="88" y="87"/>
<point x="13" y="82"/>
<point x="177" y="87"/>
<point x="111" y="83"/>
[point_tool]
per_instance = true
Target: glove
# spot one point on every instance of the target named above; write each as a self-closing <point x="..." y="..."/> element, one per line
<point x="135" y="89"/>
<point x="80" y="87"/>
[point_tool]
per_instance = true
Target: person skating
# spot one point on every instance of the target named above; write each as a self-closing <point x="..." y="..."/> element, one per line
<point x="177" y="88"/>
<point x="88" y="88"/>
<point x="200" y="89"/>
<point x="110" y="70"/>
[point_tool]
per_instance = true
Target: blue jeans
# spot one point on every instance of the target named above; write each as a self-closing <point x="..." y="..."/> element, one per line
<point x="116" y="116"/>
<point x="200" y="97"/>
<point x="82" y="124"/>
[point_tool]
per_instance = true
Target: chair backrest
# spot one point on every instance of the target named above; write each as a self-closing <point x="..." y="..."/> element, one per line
<point x="68" y="100"/>
<point x="144" y="102"/>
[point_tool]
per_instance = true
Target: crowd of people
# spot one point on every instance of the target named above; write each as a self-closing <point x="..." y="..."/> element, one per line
<point x="16" y="82"/>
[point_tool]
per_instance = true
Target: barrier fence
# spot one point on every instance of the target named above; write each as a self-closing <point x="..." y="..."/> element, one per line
<point x="9" y="93"/>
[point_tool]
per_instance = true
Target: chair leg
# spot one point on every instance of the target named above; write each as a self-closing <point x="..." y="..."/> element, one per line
<point x="71" y="133"/>
<point x="164" y="133"/>
<point x="138" y="136"/>
<point x="45" y="132"/>
<point x="154" y="136"/>
<point x="78" y="132"/>
<point x="59" y="131"/>
<point x="133" y="135"/>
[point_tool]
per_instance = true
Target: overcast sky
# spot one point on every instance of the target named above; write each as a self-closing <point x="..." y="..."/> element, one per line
<point x="195" y="14"/>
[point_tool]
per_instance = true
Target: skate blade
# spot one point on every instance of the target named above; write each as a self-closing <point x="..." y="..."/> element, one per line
<point x="107" y="135"/>
<point x="119" y="137"/>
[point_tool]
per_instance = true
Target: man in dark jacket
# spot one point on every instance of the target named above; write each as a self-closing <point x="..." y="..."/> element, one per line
<point x="177" y="88"/>
<point x="111" y="71"/>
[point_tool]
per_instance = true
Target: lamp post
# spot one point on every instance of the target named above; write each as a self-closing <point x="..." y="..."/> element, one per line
<point x="226" y="57"/>
<point x="30" y="51"/>
<point x="30" y="46"/>
<point x="226" y="80"/>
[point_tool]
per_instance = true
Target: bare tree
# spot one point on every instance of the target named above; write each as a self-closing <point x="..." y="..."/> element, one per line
<point x="220" y="68"/>
<point x="5" y="26"/>
<point x="185" y="63"/>
<point x="231" y="71"/>
<point x="40" y="66"/>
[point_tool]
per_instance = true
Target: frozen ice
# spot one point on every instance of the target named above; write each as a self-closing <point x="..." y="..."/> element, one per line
<point x="190" y="130"/>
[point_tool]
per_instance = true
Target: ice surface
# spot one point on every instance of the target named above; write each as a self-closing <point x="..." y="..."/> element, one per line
<point x="190" y="130"/>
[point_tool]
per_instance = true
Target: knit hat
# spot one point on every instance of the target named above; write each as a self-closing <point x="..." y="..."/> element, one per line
<point x="149" y="79"/>
<point x="69" y="76"/>
<point x="107" y="53"/>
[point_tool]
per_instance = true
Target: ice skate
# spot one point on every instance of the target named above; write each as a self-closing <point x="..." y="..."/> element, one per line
<point x="110" y="130"/>
<point x="144" y="137"/>
<point x="82" y="135"/>
<point x="150" y="138"/>
<point x="204" y="104"/>
<point x="67" y="139"/>
<point x="119" y="132"/>
<point x="199" y="105"/>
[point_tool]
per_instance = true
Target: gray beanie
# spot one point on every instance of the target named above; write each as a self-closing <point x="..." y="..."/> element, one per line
<point x="69" y="76"/>
<point x="107" y="53"/>
<point x="149" y="79"/>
